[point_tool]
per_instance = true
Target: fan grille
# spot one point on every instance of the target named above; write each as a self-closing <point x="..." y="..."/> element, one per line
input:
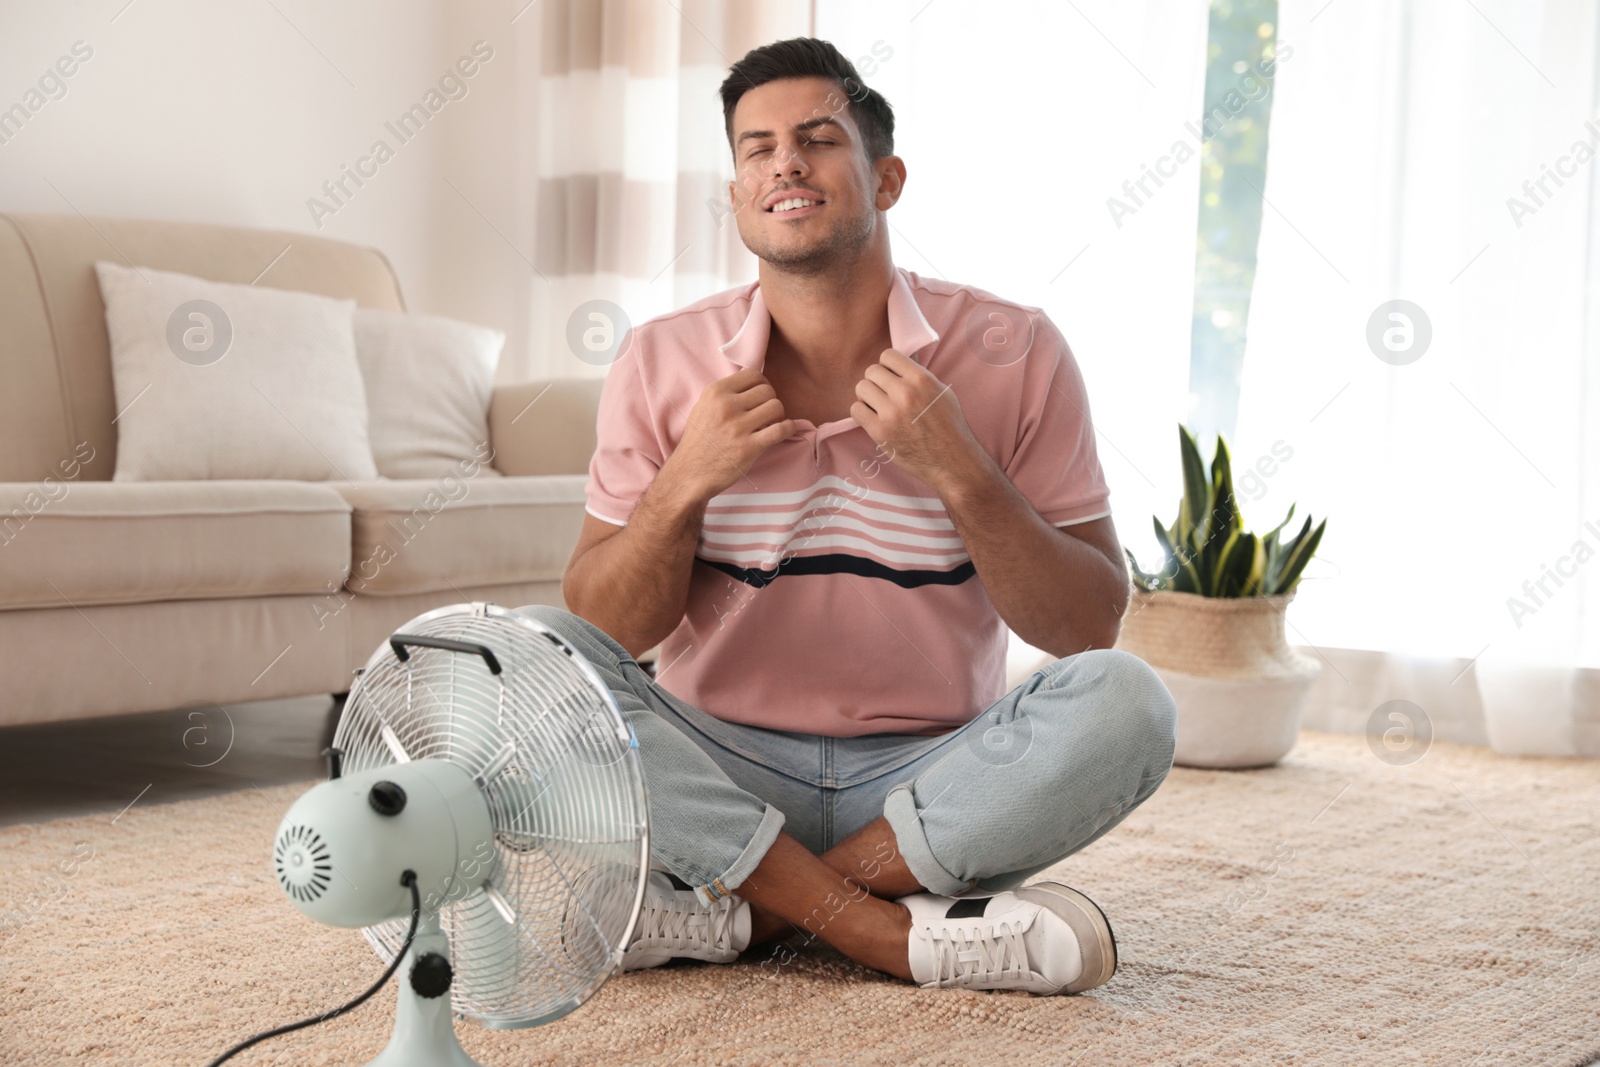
<point x="568" y="806"/>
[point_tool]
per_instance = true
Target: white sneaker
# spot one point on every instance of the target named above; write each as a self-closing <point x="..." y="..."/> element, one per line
<point x="1045" y="938"/>
<point x="673" y="923"/>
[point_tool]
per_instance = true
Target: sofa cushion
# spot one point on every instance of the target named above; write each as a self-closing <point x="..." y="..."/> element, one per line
<point x="84" y="543"/>
<point x="429" y="380"/>
<point x="216" y="380"/>
<point x="460" y="531"/>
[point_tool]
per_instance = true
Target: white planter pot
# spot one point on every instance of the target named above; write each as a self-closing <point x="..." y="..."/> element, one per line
<point x="1237" y="722"/>
<point x="1240" y="689"/>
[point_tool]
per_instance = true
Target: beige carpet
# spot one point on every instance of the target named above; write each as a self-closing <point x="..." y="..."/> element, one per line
<point x="1332" y="910"/>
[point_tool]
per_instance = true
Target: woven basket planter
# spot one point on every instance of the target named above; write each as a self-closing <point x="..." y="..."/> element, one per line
<point x="1240" y="689"/>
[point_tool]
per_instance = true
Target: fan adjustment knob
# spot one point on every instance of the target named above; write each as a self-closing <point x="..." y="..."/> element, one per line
<point x="387" y="798"/>
<point x="430" y="975"/>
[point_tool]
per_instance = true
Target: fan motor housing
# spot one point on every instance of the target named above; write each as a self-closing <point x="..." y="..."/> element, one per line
<point x="339" y="859"/>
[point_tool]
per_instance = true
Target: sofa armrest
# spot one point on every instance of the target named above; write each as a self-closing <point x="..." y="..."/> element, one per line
<point x="544" y="427"/>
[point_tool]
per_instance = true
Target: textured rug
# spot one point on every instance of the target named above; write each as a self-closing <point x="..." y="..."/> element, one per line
<point x="1334" y="909"/>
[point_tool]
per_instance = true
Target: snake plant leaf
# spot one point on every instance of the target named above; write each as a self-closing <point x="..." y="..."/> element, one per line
<point x="1272" y="555"/>
<point x="1211" y="535"/>
<point x="1187" y="580"/>
<point x="1250" y="573"/>
<point x="1220" y="530"/>
<point x="1216" y="569"/>
<point x="1179" y="568"/>
<point x="1168" y="567"/>
<point x="1182" y="530"/>
<point x="1144" y="581"/>
<point x="1226" y="505"/>
<point x="1280" y="558"/>
<point x="1258" y="567"/>
<point x="1273" y="533"/>
<point x="1300" y="554"/>
<point x="1234" y="563"/>
<point x="1207" y="554"/>
<point x="1272" y="562"/>
<point x="1195" y="506"/>
<point x="1221" y="515"/>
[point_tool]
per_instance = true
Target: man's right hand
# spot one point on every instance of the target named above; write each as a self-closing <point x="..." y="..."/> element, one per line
<point x="736" y="419"/>
<point x="632" y="580"/>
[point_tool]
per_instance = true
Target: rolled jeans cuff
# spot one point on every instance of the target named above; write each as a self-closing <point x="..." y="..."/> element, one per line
<point x="900" y="809"/>
<point x="749" y="859"/>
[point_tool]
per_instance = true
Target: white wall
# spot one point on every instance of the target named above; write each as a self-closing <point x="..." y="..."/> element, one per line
<point x="238" y="113"/>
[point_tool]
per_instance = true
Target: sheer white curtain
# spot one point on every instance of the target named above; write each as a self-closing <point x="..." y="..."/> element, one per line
<point x="1017" y="122"/>
<point x="1409" y="143"/>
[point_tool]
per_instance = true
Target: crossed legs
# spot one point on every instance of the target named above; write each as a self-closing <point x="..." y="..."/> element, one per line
<point x="1071" y="752"/>
<point x="853" y="881"/>
<point x="1097" y="735"/>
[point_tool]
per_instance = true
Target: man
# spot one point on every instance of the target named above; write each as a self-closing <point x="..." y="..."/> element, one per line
<point x="825" y="495"/>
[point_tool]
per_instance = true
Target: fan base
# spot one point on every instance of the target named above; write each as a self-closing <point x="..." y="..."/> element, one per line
<point x="424" y="1029"/>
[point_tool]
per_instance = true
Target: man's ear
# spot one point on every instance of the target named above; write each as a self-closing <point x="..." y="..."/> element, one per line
<point x="891" y="181"/>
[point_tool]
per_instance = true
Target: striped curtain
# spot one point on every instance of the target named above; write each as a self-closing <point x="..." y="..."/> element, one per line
<point x="632" y="164"/>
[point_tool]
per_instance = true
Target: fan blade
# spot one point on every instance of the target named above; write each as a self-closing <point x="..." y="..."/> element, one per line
<point x="392" y="741"/>
<point x="501" y="904"/>
<point x="491" y="770"/>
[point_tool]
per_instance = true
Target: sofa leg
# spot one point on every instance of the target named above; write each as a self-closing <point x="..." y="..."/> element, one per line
<point x="331" y="722"/>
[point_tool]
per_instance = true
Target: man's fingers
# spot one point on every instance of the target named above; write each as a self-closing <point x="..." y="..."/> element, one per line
<point x="744" y="376"/>
<point x="768" y="436"/>
<point x="767" y="412"/>
<point x="757" y="395"/>
<point x="873" y="394"/>
<point x="893" y="359"/>
<point x="878" y="373"/>
<point x="737" y="382"/>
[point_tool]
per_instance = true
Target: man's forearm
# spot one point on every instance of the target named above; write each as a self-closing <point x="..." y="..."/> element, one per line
<point x="634" y="585"/>
<point x="1058" y="593"/>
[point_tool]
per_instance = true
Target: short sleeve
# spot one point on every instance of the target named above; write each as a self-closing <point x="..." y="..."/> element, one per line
<point x="1055" y="465"/>
<point x="627" y="452"/>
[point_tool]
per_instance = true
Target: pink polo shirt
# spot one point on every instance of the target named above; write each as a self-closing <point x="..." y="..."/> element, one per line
<point x="831" y="593"/>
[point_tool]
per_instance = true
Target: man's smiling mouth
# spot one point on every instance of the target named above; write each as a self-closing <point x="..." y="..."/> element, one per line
<point x="793" y="204"/>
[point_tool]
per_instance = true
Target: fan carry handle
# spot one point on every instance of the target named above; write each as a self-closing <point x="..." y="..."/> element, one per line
<point x="399" y="642"/>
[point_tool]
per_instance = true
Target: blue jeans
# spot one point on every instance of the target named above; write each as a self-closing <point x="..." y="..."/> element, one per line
<point x="1045" y="771"/>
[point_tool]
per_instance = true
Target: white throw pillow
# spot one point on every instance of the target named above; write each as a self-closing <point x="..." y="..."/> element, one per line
<point x="217" y="380"/>
<point x="428" y="382"/>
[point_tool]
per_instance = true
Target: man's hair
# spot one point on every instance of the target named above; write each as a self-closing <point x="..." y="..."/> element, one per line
<point x="808" y="57"/>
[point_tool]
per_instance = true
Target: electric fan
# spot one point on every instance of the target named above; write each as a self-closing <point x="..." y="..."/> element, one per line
<point x="482" y="770"/>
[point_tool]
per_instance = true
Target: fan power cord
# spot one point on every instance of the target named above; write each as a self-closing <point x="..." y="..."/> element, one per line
<point x="409" y="880"/>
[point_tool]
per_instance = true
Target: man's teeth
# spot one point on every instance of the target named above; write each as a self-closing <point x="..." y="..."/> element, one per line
<point x="791" y="204"/>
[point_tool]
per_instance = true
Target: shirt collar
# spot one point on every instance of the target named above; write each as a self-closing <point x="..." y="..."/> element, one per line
<point x="908" y="328"/>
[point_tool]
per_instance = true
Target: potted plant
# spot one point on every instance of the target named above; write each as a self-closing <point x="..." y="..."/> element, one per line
<point x="1210" y="622"/>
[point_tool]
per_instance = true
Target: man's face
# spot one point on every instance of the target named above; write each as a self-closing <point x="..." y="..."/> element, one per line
<point x="794" y="139"/>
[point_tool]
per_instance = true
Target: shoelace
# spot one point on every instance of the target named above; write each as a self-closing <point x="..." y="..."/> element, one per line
<point x="682" y="922"/>
<point x="988" y="953"/>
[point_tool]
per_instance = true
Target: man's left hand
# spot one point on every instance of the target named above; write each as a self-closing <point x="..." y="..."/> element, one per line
<point x="916" y="419"/>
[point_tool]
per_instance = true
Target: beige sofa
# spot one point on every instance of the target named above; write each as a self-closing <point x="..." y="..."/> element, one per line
<point x="138" y="596"/>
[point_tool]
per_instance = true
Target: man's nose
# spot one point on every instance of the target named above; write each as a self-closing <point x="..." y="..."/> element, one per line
<point x="789" y="160"/>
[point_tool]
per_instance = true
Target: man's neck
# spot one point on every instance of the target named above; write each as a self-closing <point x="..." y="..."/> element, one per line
<point x="829" y="327"/>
